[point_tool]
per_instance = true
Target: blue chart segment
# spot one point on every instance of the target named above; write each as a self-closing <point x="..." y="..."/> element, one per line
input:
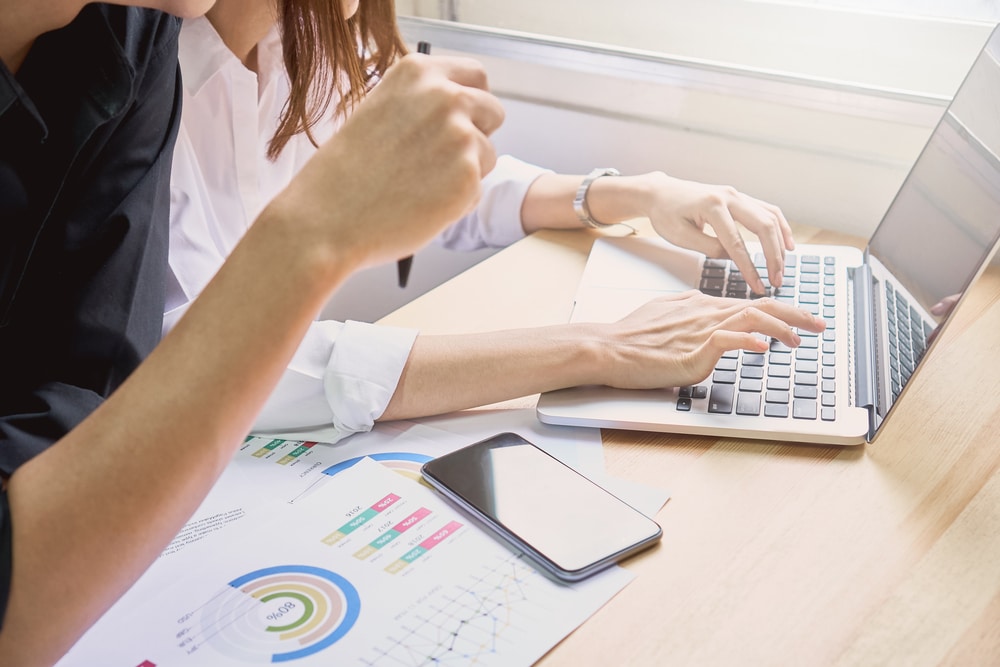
<point x="278" y="614"/>
<point x="406" y="463"/>
<point x="467" y="624"/>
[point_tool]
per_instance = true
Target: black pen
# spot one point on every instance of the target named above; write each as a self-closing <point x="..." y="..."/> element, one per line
<point x="403" y="265"/>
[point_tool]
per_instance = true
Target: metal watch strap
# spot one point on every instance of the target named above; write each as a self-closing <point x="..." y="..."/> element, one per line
<point x="580" y="200"/>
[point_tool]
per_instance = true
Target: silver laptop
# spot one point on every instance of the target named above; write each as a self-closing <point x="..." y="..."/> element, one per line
<point x="884" y="306"/>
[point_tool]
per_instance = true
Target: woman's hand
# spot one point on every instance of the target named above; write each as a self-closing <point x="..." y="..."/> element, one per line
<point x="677" y="340"/>
<point x="680" y="211"/>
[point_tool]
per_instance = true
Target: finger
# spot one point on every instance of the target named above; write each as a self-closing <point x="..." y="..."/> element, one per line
<point x="484" y="109"/>
<point x="775" y="319"/>
<point x="762" y="222"/>
<point x="464" y="71"/>
<point x="795" y="317"/>
<point x="721" y="220"/>
<point x="487" y="154"/>
<point x="723" y="341"/>
<point x="786" y="229"/>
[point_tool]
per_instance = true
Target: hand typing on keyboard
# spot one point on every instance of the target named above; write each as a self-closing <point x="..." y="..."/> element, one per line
<point x="782" y="383"/>
<point x="678" y="340"/>
<point x="682" y="211"/>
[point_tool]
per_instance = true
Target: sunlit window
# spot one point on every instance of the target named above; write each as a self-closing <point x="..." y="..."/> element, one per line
<point x="916" y="46"/>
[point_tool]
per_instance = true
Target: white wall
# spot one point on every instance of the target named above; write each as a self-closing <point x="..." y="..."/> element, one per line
<point x="830" y="155"/>
<point x="882" y="43"/>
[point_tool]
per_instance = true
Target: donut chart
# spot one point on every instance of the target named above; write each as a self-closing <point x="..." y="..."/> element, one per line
<point x="281" y="614"/>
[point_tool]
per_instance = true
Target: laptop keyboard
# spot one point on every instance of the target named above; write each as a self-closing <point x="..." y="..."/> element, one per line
<point x="782" y="383"/>
<point x="907" y="334"/>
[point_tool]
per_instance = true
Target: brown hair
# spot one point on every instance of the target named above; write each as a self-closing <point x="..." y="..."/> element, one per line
<point x="328" y="56"/>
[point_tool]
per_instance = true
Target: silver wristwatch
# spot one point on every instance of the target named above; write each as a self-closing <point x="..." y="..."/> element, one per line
<point x="580" y="200"/>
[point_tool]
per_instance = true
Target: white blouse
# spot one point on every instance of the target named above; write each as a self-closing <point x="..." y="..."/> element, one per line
<point x="344" y="373"/>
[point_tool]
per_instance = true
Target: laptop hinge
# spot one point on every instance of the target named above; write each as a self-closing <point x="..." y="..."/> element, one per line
<point x="864" y="371"/>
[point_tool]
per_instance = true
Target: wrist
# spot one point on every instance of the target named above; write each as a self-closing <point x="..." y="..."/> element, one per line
<point x="292" y="236"/>
<point x="613" y="200"/>
<point x="591" y="343"/>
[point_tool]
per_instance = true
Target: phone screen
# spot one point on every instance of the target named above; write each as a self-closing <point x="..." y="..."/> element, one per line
<point x="554" y="513"/>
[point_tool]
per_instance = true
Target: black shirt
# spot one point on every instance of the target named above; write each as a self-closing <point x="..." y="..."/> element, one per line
<point x="87" y="127"/>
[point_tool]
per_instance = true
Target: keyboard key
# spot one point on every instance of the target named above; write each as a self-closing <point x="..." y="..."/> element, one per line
<point x="775" y="410"/>
<point x="684" y="404"/>
<point x="829" y="414"/>
<point x="713" y="272"/>
<point x="748" y="404"/>
<point x="712" y="285"/>
<point x="806" y="367"/>
<point x="778" y="384"/>
<point x="752" y="385"/>
<point x="776" y="397"/>
<point x="779" y="372"/>
<point x="726" y="365"/>
<point x="699" y="391"/>
<point x="804" y="409"/>
<point x="752" y="372"/>
<point x="684" y="392"/>
<point x="829" y="400"/>
<point x="724" y="377"/>
<point x="802" y="391"/>
<point x="753" y="359"/>
<point x="721" y="399"/>
<point x="806" y="378"/>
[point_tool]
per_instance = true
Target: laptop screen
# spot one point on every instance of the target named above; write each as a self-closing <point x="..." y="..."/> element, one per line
<point x="945" y="220"/>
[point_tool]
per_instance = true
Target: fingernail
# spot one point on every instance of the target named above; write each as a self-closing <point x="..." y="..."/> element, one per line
<point x="796" y="338"/>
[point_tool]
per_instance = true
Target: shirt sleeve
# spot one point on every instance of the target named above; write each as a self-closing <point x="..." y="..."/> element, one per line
<point x="496" y="220"/>
<point x="342" y="375"/>
<point x="339" y="381"/>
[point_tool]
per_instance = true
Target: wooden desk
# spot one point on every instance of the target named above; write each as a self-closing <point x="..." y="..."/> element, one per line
<point x="789" y="554"/>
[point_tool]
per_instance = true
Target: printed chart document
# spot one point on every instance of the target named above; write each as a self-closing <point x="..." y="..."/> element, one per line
<point x="371" y="568"/>
<point x="265" y="470"/>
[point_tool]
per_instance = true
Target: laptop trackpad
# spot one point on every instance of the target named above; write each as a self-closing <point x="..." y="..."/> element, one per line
<point x="616" y="266"/>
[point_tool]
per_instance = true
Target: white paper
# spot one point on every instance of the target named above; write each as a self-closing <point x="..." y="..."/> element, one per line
<point x="373" y="569"/>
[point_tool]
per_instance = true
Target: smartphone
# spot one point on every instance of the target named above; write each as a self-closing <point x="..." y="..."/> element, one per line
<point x="567" y="524"/>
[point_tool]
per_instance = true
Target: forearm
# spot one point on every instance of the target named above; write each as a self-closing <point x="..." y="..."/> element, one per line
<point x="186" y="408"/>
<point x="549" y="201"/>
<point x="445" y="373"/>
